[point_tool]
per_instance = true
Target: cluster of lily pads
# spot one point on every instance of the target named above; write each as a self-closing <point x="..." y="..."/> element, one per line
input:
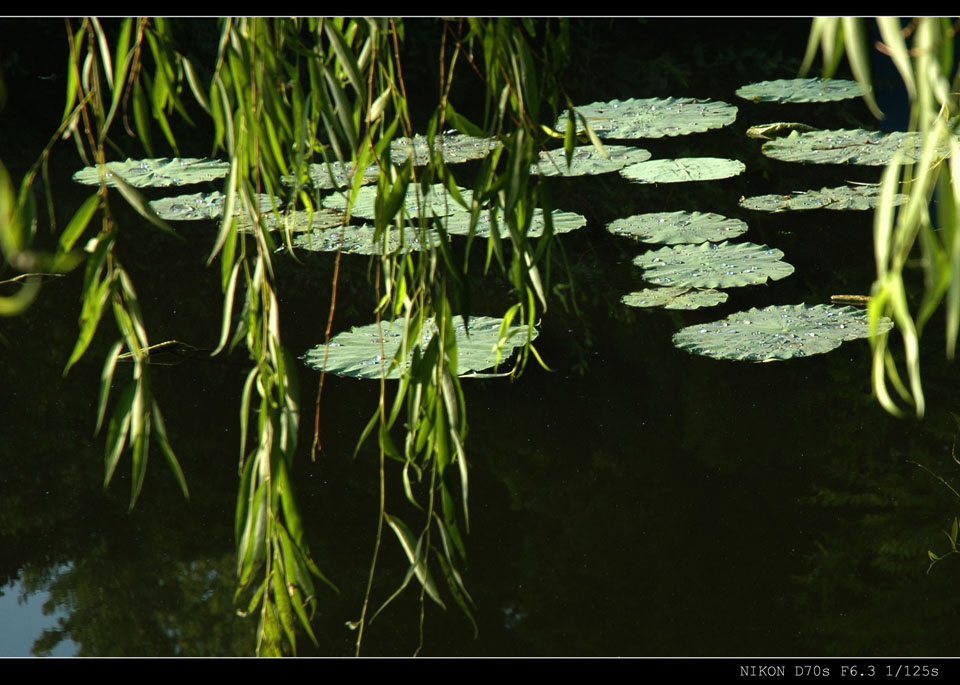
<point x="367" y="351"/>
<point x="699" y="257"/>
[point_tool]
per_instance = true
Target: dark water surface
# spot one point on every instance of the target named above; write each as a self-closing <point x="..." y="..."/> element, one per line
<point x="636" y="500"/>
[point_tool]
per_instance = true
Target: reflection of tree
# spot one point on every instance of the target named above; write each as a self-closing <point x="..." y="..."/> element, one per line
<point x="863" y="589"/>
<point x="149" y="605"/>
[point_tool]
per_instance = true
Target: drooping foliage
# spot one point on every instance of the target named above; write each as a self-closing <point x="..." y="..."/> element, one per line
<point x="297" y="107"/>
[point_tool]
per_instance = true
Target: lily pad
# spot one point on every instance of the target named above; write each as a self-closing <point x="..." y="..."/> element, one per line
<point x="777" y="129"/>
<point x="712" y="265"/>
<point x="801" y="90"/>
<point x="587" y="160"/>
<point x="858" y="146"/>
<point x="859" y="197"/>
<point x="675" y="298"/>
<point x="362" y="240"/>
<point x="336" y="176"/>
<point x="653" y="117"/>
<point x="683" y="169"/>
<point x="678" y="227"/>
<point x="437" y="200"/>
<point x="778" y="332"/>
<point x="563" y="222"/>
<point x="195" y="207"/>
<point x="359" y="352"/>
<point x="209" y="206"/>
<point x="157" y="173"/>
<point x="455" y="147"/>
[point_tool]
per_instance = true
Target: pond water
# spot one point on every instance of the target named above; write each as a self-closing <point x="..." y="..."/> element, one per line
<point x="636" y="500"/>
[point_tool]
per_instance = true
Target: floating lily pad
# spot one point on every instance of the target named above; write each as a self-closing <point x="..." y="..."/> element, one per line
<point x="777" y="333"/>
<point x="858" y="146"/>
<point x="563" y="222"/>
<point x="801" y="90"/>
<point x="678" y="227"/>
<point x="336" y="176"/>
<point x="653" y="117"/>
<point x="363" y="240"/>
<point x="358" y="353"/>
<point x="845" y="197"/>
<point x="454" y="147"/>
<point x="683" y="169"/>
<point x="437" y="200"/>
<point x="195" y="207"/>
<point x="587" y="160"/>
<point x="209" y="206"/>
<point x="777" y="129"/>
<point x="157" y="173"/>
<point x="675" y="298"/>
<point x="712" y="265"/>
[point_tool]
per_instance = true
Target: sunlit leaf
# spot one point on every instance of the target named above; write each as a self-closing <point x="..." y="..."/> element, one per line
<point x="157" y="173"/>
<point x="587" y="160"/>
<point x="563" y="222"/>
<point x="859" y="146"/>
<point x="653" y="117"/>
<point x="801" y="90"/>
<point x="712" y="265"/>
<point x="358" y="352"/>
<point x="436" y="202"/>
<point x="675" y="298"/>
<point x="454" y="147"/>
<point x="678" y="227"/>
<point x="855" y="197"/>
<point x="777" y="332"/>
<point x="682" y="170"/>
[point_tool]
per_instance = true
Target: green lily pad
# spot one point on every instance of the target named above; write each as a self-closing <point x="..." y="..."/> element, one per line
<point x="358" y="353"/>
<point x="801" y="90"/>
<point x="858" y="146"/>
<point x="195" y="207"/>
<point x="712" y="265"/>
<point x="209" y="206"/>
<point x="675" y="298"/>
<point x="587" y="160"/>
<point x="437" y="201"/>
<point x="683" y="169"/>
<point x="859" y="197"/>
<point x="653" y="117"/>
<point x="678" y="227"/>
<point x="778" y="332"/>
<point x="362" y="240"/>
<point x="157" y="173"/>
<point x="777" y="129"/>
<point x="455" y="147"/>
<point x="337" y="176"/>
<point x="563" y="222"/>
